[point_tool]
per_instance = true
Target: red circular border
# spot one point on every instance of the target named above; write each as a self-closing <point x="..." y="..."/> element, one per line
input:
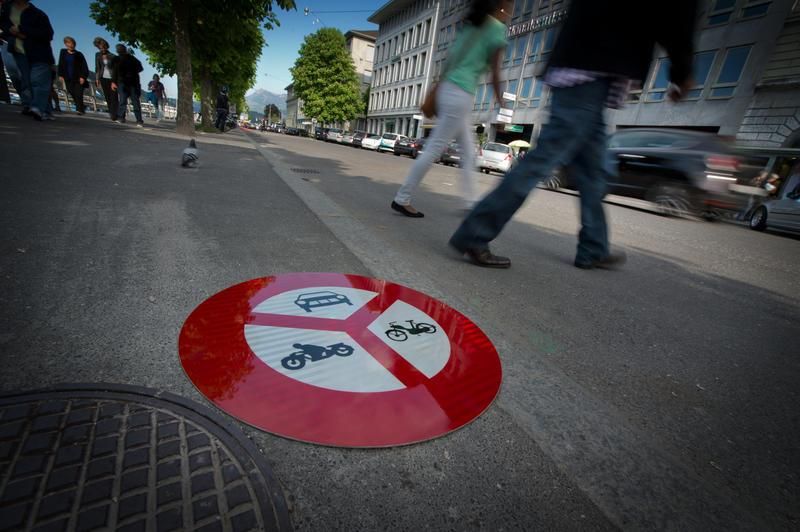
<point x="220" y="363"/>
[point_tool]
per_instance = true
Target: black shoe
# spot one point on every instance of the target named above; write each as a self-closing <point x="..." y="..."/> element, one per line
<point x="610" y="262"/>
<point x="27" y="111"/>
<point x="485" y="258"/>
<point x="405" y="212"/>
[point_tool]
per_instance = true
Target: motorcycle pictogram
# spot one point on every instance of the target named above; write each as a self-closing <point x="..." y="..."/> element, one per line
<point x="313" y="353"/>
<point x="398" y="333"/>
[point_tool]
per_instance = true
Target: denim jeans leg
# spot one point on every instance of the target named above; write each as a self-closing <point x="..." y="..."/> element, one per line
<point x="136" y="96"/>
<point x="589" y="174"/>
<point x="122" y="110"/>
<point x="573" y="111"/>
<point x="24" y="68"/>
<point x="41" y="81"/>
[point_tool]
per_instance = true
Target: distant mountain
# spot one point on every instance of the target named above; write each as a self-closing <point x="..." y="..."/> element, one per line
<point x="260" y="98"/>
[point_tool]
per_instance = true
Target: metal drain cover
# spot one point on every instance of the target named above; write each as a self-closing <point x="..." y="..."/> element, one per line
<point x="118" y="457"/>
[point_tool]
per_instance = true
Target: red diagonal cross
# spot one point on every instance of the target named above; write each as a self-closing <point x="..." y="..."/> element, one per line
<point x="355" y="326"/>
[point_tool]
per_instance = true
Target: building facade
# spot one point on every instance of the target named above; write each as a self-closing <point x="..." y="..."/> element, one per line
<point x="402" y="67"/>
<point x="361" y="46"/>
<point x="746" y="72"/>
<point x="294" y="110"/>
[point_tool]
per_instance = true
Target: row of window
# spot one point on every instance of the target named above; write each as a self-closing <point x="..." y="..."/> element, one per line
<point x="418" y="35"/>
<point x="524" y="8"/>
<point x="538" y="46"/>
<point x="722" y="11"/>
<point x="529" y="93"/>
<point x="410" y="67"/>
<point x="400" y="98"/>
<point x="409" y="12"/>
<point x="723" y="85"/>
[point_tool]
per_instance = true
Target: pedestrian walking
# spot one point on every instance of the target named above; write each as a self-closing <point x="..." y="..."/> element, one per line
<point x="583" y="81"/>
<point x="158" y="94"/>
<point x="223" y="106"/>
<point x="55" y="104"/>
<point x="73" y="72"/>
<point x="104" y="64"/>
<point x="11" y="66"/>
<point x="127" y="84"/>
<point x="479" y="46"/>
<point x="29" y="33"/>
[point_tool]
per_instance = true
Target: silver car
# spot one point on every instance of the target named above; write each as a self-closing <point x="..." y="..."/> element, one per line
<point x="782" y="212"/>
<point x="494" y="156"/>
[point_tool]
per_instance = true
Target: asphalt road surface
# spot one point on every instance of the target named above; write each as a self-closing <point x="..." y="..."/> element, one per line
<point x="662" y="396"/>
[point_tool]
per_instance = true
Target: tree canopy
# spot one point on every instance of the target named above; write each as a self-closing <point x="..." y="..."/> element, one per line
<point x="272" y="113"/>
<point x="325" y="78"/>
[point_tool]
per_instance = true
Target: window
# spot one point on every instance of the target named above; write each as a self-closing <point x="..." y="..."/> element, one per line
<point x="478" y="97"/>
<point x="422" y="61"/>
<point x="527" y="84"/>
<point x="755" y="8"/>
<point x="549" y="41"/>
<point x="487" y="97"/>
<point x="517" y="8"/>
<point x="700" y="69"/>
<point x="402" y="42"/>
<point x="449" y="33"/>
<point x="519" y="51"/>
<point x="511" y="86"/>
<point x="417" y="35"/>
<point x="419" y="94"/>
<point x="402" y="99"/>
<point x="537" y="94"/>
<point x="427" y="32"/>
<point x="720" y="12"/>
<point x="509" y="53"/>
<point x="414" y="66"/>
<point x="660" y="81"/>
<point x="731" y="71"/>
<point x="536" y="42"/>
<point x="528" y="7"/>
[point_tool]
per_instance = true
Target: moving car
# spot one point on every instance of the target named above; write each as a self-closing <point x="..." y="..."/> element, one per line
<point x="495" y="157"/>
<point x="782" y="212"/>
<point x="407" y="146"/>
<point x="388" y="140"/>
<point x="451" y="155"/>
<point x="371" y="141"/>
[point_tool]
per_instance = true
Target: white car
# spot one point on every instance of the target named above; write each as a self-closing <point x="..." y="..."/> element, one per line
<point x="388" y="140"/>
<point x="335" y="134"/>
<point x="371" y="142"/>
<point x="347" y="138"/>
<point x="494" y="156"/>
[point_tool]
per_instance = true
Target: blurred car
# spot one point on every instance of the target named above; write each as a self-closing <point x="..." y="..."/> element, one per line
<point x="388" y="140"/>
<point x="293" y="131"/>
<point x="321" y="133"/>
<point x="451" y="155"/>
<point x="357" y="138"/>
<point x="495" y="157"/>
<point x="407" y="146"/>
<point x="334" y="135"/>
<point x="371" y="141"/>
<point x="347" y="139"/>
<point x="303" y="132"/>
<point x="782" y="212"/>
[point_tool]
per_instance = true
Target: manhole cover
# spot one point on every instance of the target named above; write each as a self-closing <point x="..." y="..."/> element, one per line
<point x="116" y="457"/>
<point x="304" y="171"/>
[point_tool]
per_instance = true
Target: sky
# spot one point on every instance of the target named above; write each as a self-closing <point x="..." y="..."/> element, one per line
<point x="71" y="17"/>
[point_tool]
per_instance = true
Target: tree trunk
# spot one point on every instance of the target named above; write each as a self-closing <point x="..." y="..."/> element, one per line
<point x="183" y="55"/>
<point x="207" y="101"/>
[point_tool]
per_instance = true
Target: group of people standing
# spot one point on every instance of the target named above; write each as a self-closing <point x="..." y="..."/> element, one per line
<point x="28" y="56"/>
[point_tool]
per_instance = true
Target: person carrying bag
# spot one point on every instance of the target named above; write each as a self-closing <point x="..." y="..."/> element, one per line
<point x="479" y="45"/>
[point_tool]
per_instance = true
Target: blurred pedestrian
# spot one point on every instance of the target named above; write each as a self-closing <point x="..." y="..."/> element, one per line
<point x="55" y="104"/>
<point x="104" y="63"/>
<point x="11" y="67"/>
<point x="29" y="33"/>
<point x="73" y="72"/>
<point x="479" y="46"/>
<point x="584" y="80"/>
<point x="158" y="94"/>
<point x="223" y="107"/>
<point x="127" y="84"/>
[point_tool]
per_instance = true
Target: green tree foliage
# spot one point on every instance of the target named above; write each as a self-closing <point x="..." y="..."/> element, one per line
<point x="272" y="113"/>
<point x="325" y="78"/>
<point x="219" y="42"/>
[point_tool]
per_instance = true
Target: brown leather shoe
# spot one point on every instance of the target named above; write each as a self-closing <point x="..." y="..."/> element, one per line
<point x="485" y="258"/>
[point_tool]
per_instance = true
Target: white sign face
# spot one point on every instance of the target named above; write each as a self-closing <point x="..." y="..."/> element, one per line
<point x="339" y="349"/>
<point x="510" y="97"/>
<point x="504" y="119"/>
<point x="507" y="112"/>
<point x="418" y="117"/>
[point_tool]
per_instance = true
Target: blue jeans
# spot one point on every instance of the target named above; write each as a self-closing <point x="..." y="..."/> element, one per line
<point x="24" y="79"/>
<point x="575" y="137"/>
<point x="14" y="73"/>
<point x="134" y="93"/>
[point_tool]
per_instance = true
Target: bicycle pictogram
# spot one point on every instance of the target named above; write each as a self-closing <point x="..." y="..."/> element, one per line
<point x="398" y="333"/>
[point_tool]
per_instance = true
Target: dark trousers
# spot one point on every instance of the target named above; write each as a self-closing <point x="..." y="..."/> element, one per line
<point x="576" y="138"/>
<point x="134" y="92"/>
<point x="111" y="98"/>
<point x="222" y="117"/>
<point x="75" y="90"/>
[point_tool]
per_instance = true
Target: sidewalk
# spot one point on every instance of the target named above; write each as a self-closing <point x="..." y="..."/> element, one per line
<point x="108" y="244"/>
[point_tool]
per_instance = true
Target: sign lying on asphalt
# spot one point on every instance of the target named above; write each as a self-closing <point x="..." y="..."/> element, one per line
<point x="339" y="360"/>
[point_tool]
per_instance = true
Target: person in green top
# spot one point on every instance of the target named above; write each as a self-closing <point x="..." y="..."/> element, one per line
<point x="479" y="46"/>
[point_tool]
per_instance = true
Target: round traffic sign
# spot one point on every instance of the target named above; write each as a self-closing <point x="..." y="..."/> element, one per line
<point x="339" y="360"/>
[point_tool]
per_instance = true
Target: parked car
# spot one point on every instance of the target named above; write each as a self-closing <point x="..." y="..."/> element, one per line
<point x="783" y="211"/>
<point x="347" y="139"/>
<point x="495" y="157"/>
<point x="334" y="135"/>
<point x="302" y="131"/>
<point x="451" y="155"/>
<point x="321" y="133"/>
<point x="406" y="146"/>
<point x="357" y="138"/>
<point x="388" y="140"/>
<point x="293" y="131"/>
<point x="371" y="141"/>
